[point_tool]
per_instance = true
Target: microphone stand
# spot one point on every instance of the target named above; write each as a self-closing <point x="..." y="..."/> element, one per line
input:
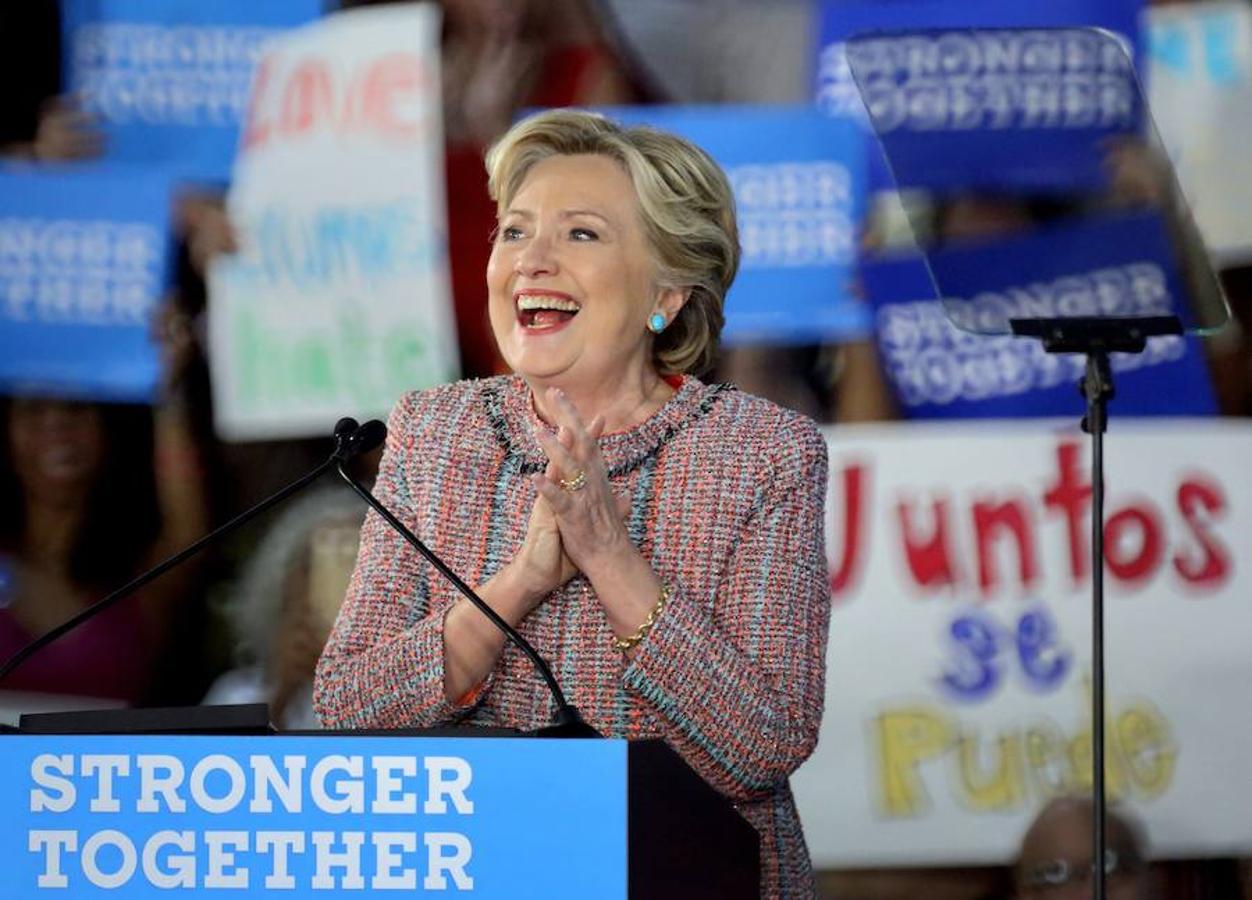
<point x="566" y="720"/>
<point x="1097" y="338"/>
<point x="345" y="449"/>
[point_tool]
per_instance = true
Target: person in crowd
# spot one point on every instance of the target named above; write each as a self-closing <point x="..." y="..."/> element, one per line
<point x="285" y="601"/>
<point x="91" y="494"/>
<point x="1055" y="861"/>
<point x="658" y="539"/>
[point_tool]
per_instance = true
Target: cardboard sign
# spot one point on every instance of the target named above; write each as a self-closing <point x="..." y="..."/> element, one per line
<point x="1200" y="85"/>
<point x="957" y="690"/>
<point x="338" y="300"/>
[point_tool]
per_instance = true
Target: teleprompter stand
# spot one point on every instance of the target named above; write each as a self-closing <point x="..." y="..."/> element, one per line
<point x="1097" y="337"/>
<point x="1006" y="208"/>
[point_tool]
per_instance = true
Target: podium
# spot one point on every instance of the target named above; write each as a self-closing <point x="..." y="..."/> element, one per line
<point x="376" y="813"/>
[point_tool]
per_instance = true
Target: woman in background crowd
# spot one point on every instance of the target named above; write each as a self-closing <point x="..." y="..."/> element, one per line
<point x="285" y="602"/>
<point x="91" y="494"/>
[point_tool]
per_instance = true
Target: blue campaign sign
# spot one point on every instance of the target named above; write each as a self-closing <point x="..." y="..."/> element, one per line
<point x="84" y="260"/>
<point x="169" y="79"/>
<point x="109" y="816"/>
<point x="799" y="183"/>
<point x="841" y="20"/>
<point x="1020" y="105"/>
<point x="1118" y="267"/>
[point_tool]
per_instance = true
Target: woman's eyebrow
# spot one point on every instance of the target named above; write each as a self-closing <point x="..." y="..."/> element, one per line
<point x="527" y="215"/>
<point x="568" y="213"/>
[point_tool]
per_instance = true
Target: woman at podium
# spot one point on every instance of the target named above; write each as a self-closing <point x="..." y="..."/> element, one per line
<point x="658" y="539"/>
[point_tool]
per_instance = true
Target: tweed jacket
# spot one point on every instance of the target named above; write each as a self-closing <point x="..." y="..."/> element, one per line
<point x="726" y="498"/>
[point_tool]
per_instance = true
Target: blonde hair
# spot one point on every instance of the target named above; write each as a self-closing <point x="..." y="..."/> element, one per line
<point x="685" y="203"/>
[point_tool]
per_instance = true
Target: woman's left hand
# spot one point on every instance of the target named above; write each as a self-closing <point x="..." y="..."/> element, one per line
<point x="576" y="486"/>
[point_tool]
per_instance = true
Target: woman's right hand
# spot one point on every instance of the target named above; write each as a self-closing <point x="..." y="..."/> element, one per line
<point x="541" y="564"/>
<point x="471" y="644"/>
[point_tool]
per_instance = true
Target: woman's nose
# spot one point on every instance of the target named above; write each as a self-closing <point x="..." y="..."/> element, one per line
<point x="537" y="257"/>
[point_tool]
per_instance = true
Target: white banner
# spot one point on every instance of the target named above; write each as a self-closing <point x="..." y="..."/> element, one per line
<point x="1200" y="89"/>
<point x="338" y="300"/>
<point x="958" y="691"/>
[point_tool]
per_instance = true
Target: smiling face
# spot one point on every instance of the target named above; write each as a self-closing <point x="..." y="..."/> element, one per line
<point x="571" y="279"/>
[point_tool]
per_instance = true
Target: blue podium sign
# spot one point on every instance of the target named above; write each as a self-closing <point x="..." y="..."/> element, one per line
<point x="111" y="815"/>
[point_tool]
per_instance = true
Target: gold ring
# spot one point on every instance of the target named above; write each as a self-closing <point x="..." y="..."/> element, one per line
<point x="577" y="483"/>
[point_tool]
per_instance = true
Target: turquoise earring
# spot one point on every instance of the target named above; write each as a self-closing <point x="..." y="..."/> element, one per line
<point x="656" y="323"/>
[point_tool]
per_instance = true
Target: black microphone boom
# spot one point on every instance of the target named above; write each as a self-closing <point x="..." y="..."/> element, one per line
<point x="566" y="721"/>
<point x="345" y="448"/>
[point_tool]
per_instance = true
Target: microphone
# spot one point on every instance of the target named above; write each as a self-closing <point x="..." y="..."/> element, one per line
<point x="344" y="429"/>
<point x="566" y="721"/>
<point x="345" y="449"/>
<point x="363" y="438"/>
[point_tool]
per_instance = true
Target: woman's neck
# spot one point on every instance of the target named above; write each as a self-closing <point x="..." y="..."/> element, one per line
<point x="50" y="533"/>
<point x="623" y="405"/>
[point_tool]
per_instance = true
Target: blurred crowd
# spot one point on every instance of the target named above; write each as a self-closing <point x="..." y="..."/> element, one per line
<point x="93" y="493"/>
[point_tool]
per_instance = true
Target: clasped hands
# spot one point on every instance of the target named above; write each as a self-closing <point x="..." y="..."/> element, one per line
<point x="573" y="528"/>
<point x="576" y="524"/>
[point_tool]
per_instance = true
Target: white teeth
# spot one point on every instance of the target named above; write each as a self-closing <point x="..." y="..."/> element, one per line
<point x="529" y="302"/>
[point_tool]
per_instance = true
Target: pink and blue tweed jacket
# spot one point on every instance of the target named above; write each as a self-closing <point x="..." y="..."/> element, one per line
<point x="727" y="492"/>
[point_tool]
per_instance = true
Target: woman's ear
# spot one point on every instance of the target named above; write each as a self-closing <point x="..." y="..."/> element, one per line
<point x="671" y="300"/>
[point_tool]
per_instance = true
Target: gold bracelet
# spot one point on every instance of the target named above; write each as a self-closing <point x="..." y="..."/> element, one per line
<point x="630" y="640"/>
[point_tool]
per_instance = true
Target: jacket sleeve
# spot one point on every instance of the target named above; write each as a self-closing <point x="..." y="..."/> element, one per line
<point x="383" y="664"/>
<point x="739" y="690"/>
